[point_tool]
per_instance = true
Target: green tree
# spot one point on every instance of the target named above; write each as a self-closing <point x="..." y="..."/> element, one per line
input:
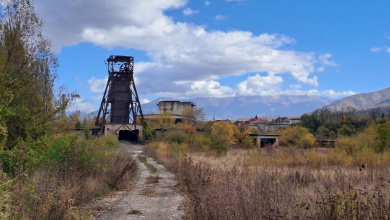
<point x="384" y="137"/>
<point x="148" y="132"/>
<point x="222" y="134"/>
<point x="345" y="130"/>
<point x="27" y="73"/>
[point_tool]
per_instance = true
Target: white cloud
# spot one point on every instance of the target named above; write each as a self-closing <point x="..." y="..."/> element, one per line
<point x="144" y="101"/>
<point x="388" y="49"/>
<point x="209" y="89"/>
<point x="324" y="59"/>
<point x="260" y="85"/>
<point x="207" y="3"/>
<point x="83" y="106"/>
<point x="320" y="69"/>
<point x="376" y="49"/>
<point x="315" y="92"/>
<point x="189" y="11"/>
<point x="220" y="17"/>
<point x="296" y="86"/>
<point x="178" y="52"/>
<point x="97" y="85"/>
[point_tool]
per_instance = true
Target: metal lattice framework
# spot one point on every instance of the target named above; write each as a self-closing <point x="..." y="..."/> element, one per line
<point x="120" y="103"/>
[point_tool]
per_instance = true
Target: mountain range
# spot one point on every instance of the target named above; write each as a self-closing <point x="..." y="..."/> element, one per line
<point x="250" y="106"/>
<point x="280" y="105"/>
<point x="377" y="99"/>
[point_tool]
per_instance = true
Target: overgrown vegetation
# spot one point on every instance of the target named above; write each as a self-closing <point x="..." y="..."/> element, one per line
<point x="332" y="124"/>
<point x="47" y="172"/>
<point x="224" y="179"/>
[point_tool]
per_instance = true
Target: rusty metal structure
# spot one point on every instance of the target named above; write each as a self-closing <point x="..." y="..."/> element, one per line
<point x="120" y="103"/>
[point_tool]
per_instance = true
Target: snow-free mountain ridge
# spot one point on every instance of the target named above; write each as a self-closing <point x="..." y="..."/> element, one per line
<point x="250" y="106"/>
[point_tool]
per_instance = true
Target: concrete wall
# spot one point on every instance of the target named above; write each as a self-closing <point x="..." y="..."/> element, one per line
<point x="115" y="128"/>
<point x="174" y="107"/>
<point x="258" y="140"/>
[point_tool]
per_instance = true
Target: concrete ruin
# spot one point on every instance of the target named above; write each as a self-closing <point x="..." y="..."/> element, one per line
<point x="175" y="108"/>
<point x="264" y="140"/>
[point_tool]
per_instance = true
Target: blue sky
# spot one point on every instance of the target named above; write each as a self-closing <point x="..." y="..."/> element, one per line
<point x="193" y="48"/>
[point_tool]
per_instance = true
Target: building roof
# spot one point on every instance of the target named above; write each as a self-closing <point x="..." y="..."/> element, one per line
<point x="265" y="135"/>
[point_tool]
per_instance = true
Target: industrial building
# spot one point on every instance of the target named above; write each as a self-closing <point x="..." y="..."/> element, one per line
<point x="120" y="111"/>
<point x="175" y="108"/>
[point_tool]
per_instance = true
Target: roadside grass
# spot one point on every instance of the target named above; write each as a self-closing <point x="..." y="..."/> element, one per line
<point x="150" y="192"/>
<point x="151" y="168"/>
<point x="153" y="179"/>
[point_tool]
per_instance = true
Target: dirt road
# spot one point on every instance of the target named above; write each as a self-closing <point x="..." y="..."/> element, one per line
<point x="156" y="199"/>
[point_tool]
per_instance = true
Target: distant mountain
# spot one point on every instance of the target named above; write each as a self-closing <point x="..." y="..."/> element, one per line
<point x="361" y="101"/>
<point x="249" y="106"/>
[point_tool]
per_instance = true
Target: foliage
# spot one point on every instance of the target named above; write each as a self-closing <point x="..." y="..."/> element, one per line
<point x="255" y="130"/>
<point x="68" y="168"/>
<point x="189" y="129"/>
<point x="161" y="120"/>
<point x="28" y="69"/>
<point x="200" y="142"/>
<point x="148" y="132"/>
<point x="176" y="136"/>
<point x="327" y="123"/>
<point x="222" y="134"/>
<point x="296" y="136"/>
<point x="384" y="137"/>
<point x="248" y="142"/>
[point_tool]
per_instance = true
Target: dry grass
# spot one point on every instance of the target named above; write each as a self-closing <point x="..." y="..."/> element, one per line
<point x="60" y="192"/>
<point x="282" y="184"/>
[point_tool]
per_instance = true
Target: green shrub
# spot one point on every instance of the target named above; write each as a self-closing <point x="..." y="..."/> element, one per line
<point x="148" y="132"/>
<point x="200" y="142"/>
<point x="176" y="136"/>
<point x="154" y="145"/>
<point x="248" y="142"/>
<point x="177" y="149"/>
<point x="110" y="141"/>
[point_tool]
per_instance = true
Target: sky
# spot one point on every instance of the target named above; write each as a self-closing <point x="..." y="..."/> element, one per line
<point x="216" y="48"/>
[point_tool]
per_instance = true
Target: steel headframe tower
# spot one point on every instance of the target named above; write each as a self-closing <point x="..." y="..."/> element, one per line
<point x="120" y="103"/>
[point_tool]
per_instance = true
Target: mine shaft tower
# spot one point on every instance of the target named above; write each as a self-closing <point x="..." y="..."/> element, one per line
<point x="120" y="103"/>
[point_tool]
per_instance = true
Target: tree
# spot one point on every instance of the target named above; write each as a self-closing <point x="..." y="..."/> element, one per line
<point x="27" y="72"/>
<point x="384" y="137"/>
<point x="194" y="115"/>
<point x="148" y="132"/>
<point x="222" y="134"/>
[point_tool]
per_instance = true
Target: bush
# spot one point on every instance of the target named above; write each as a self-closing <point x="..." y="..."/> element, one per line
<point x="155" y="145"/>
<point x="200" y="142"/>
<point x="349" y="145"/>
<point x="307" y="141"/>
<point x="67" y="173"/>
<point x="248" y="142"/>
<point x="175" y="135"/>
<point x="177" y="149"/>
<point x="296" y="136"/>
<point x="189" y="129"/>
<point x="110" y="141"/>
<point x="221" y="136"/>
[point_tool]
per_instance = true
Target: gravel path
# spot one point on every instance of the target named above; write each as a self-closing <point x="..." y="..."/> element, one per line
<point x="164" y="204"/>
